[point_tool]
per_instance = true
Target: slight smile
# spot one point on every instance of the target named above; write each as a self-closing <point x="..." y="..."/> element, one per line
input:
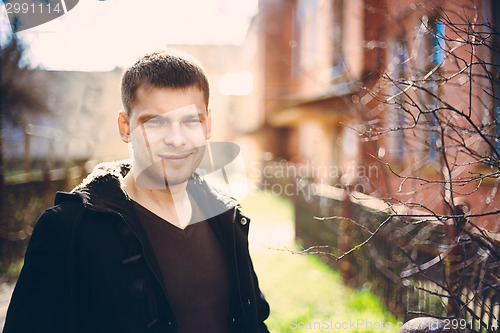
<point x="175" y="157"/>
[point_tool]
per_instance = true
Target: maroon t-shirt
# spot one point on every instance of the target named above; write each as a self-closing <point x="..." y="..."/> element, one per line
<point x="195" y="272"/>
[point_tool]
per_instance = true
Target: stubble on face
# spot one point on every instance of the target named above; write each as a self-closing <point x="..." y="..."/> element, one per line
<point x="169" y="132"/>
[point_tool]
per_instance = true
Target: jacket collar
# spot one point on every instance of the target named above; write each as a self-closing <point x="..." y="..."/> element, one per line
<point x="102" y="190"/>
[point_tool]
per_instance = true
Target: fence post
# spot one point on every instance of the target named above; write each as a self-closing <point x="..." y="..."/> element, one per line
<point x="344" y="237"/>
<point x="454" y="258"/>
<point x="27" y="156"/>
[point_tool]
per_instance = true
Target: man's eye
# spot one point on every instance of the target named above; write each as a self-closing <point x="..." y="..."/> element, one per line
<point x="154" y="121"/>
<point x="193" y="121"/>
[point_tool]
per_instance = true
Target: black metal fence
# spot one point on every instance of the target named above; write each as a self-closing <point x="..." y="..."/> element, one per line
<point x="417" y="269"/>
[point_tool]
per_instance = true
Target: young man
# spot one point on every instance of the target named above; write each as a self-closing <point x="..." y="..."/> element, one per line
<point x="147" y="247"/>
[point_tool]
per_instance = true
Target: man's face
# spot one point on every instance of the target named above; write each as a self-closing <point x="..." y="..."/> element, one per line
<point x="168" y="129"/>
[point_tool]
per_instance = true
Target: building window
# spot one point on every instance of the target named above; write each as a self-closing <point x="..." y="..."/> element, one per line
<point x="336" y="39"/>
<point x="396" y="115"/>
<point x="438" y="42"/>
<point x="307" y="16"/>
<point x="434" y="47"/>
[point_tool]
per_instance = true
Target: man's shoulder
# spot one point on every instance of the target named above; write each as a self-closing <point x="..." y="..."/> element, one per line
<point x="67" y="203"/>
<point x="52" y="231"/>
<point x="66" y="208"/>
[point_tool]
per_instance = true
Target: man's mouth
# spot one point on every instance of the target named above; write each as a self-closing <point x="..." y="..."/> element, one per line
<point x="175" y="157"/>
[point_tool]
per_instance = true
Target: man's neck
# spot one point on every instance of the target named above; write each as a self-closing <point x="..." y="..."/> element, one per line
<point x="172" y="203"/>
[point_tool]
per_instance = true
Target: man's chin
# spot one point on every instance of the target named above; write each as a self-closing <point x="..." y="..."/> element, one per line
<point x="157" y="177"/>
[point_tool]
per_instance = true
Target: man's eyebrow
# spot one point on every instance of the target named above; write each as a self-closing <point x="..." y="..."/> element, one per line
<point x="195" y="115"/>
<point x="192" y="114"/>
<point x="148" y="116"/>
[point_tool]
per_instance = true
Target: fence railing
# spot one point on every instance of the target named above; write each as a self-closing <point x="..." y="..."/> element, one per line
<point x="26" y="197"/>
<point x="425" y="268"/>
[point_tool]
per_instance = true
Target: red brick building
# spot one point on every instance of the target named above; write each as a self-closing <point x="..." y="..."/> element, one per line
<point x="327" y="108"/>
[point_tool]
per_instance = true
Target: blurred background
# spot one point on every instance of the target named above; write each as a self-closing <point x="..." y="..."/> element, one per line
<point x="338" y="109"/>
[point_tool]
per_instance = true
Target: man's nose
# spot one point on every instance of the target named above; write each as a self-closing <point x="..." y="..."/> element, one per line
<point x="174" y="135"/>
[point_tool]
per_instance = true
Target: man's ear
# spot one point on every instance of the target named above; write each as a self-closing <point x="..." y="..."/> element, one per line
<point x="209" y="124"/>
<point x="124" y="126"/>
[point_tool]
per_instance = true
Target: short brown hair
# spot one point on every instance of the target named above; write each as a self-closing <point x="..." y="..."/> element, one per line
<point x="163" y="69"/>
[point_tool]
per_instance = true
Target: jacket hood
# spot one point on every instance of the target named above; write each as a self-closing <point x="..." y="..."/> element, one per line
<point x="102" y="189"/>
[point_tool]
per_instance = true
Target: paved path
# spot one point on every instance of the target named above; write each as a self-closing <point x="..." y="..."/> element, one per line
<point x="5" y="293"/>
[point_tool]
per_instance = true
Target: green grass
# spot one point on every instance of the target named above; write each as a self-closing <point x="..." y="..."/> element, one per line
<point x="12" y="271"/>
<point x="19" y="176"/>
<point x="305" y="294"/>
<point x="264" y="205"/>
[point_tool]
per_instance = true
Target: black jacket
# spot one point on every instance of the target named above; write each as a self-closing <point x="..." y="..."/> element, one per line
<point x="90" y="268"/>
